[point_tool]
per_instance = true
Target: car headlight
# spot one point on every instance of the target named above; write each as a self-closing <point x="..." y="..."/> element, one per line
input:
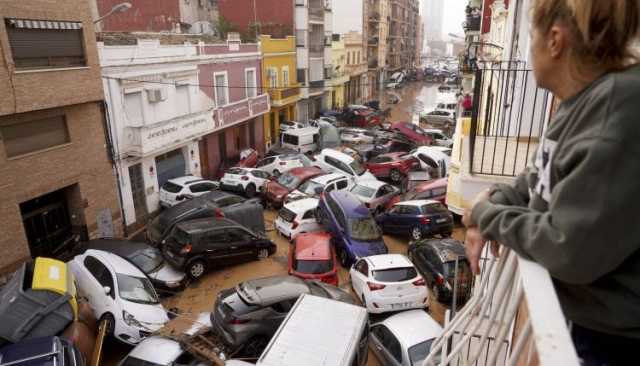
<point x="130" y="320"/>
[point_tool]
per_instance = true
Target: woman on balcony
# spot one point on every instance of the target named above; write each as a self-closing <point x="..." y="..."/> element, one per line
<point x="575" y="209"/>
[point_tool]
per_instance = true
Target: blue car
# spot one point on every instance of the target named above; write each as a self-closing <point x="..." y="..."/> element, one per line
<point x="420" y="218"/>
<point x="354" y="232"/>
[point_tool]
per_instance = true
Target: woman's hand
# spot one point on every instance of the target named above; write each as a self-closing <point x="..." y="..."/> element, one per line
<point x="466" y="218"/>
<point x="474" y="243"/>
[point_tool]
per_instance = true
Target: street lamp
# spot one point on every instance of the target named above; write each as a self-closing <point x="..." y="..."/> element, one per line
<point x="119" y="8"/>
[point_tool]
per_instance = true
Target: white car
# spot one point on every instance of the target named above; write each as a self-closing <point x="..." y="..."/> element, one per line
<point x="177" y="190"/>
<point x="357" y="136"/>
<point x="433" y="158"/>
<point x="290" y="125"/>
<point x="297" y="217"/>
<point x="119" y="292"/>
<point x="276" y="165"/>
<point x="374" y="194"/>
<point x="439" y="117"/>
<point x="439" y="137"/>
<point x="388" y="282"/>
<point x="404" y="339"/>
<point x="247" y="181"/>
<point x="316" y="186"/>
<point x="333" y="161"/>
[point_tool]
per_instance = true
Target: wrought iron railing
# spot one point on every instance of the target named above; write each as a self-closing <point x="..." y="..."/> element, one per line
<point x="508" y="118"/>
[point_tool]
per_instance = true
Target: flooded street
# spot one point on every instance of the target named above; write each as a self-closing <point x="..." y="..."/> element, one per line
<point x="200" y="295"/>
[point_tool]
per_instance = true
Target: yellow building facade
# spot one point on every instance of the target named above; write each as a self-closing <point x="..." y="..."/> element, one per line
<point x="279" y="79"/>
<point x="339" y="75"/>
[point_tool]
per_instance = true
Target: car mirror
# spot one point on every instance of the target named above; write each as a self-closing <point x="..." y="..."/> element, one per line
<point x="107" y="290"/>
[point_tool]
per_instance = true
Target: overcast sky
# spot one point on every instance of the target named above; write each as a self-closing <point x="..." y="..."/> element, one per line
<point x="347" y="15"/>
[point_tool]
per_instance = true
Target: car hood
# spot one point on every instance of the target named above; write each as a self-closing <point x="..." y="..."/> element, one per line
<point x="166" y="273"/>
<point x="151" y="316"/>
<point x="367" y="248"/>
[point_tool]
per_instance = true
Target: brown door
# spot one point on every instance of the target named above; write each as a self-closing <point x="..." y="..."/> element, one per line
<point x="137" y="191"/>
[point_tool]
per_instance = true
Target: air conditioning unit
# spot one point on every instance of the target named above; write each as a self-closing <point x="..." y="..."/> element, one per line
<point x="156" y="95"/>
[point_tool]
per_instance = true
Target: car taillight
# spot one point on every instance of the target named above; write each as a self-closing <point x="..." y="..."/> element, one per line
<point x="186" y="249"/>
<point x="375" y="286"/>
<point x="244" y="177"/>
<point x="440" y="280"/>
<point x="295" y="224"/>
<point x="238" y="321"/>
<point x="419" y="282"/>
<point x="218" y="213"/>
<point x="425" y="220"/>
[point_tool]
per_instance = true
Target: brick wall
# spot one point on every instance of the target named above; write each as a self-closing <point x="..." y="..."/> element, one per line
<point x="275" y="16"/>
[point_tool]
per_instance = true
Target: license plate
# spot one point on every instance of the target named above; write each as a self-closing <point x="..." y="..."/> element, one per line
<point x="400" y="305"/>
<point x="440" y="221"/>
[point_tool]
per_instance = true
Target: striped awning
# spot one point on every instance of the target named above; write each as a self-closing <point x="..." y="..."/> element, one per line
<point x="44" y="24"/>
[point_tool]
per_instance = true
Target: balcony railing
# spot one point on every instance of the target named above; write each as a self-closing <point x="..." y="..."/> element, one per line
<point x="513" y="318"/>
<point x="280" y="94"/>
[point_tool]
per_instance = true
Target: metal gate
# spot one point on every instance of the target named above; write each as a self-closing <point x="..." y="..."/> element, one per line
<point x="170" y="165"/>
<point x="47" y="224"/>
<point x="138" y="192"/>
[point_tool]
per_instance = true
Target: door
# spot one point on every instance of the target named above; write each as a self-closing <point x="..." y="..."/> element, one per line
<point x="272" y="127"/>
<point x="47" y="223"/>
<point x="385" y="345"/>
<point x="93" y="285"/>
<point x="359" y="275"/>
<point x="392" y="218"/>
<point x="170" y="165"/>
<point x="241" y="247"/>
<point x="137" y="190"/>
<point x="409" y="218"/>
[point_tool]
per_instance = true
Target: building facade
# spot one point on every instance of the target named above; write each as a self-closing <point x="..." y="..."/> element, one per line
<point x="55" y="164"/>
<point x="279" y="79"/>
<point x="229" y="76"/>
<point x="177" y="16"/>
<point x="339" y="74"/>
<point x="403" y="21"/>
<point x="376" y="34"/>
<point x="156" y="117"/>
<point x="356" y="68"/>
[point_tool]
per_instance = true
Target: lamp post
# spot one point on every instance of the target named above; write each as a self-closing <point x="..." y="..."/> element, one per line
<point x="118" y="8"/>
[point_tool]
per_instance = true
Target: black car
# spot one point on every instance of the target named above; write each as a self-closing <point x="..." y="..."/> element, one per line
<point x="198" y="245"/>
<point x="435" y="259"/>
<point x="247" y="212"/>
<point x="147" y="258"/>
<point x="43" y="351"/>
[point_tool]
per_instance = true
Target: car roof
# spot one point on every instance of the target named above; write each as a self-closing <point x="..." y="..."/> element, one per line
<point x="326" y="178"/>
<point x="191" y="226"/>
<point x="412" y="327"/>
<point x="302" y="131"/>
<point x="117" y="263"/>
<point x="187" y="179"/>
<point x="313" y="246"/>
<point x="372" y="183"/>
<point x="157" y="350"/>
<point x="387" y="261"/>
<point x="350" y="203"/>
<point x="447" y="249"/>
<point x="337" y="155"/>
<point x="436" y="183"/>
<point x="269" y="290"/>
<point x="417" y="203"/>
<point x="305" y="172"/>
<point x="302" y="205"/>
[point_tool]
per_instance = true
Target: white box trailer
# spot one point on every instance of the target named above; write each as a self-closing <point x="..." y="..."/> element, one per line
<point x="318" y="332"/>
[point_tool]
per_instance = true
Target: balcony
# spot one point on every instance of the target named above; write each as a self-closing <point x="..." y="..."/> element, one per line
<point x="240" y="111"/>
<point x="316" y="87"/>
<point x="284" y="96"/>
<point x="472" y="24"/>
<point x="513" y="318"/>
<point x="316" y="11"/>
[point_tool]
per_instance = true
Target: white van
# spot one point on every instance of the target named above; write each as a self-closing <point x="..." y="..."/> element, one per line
<point x="304" y="140"/>
<point x="318" y="332"/>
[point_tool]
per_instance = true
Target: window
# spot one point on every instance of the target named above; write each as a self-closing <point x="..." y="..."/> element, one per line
<point x="250" y="82"/>
<point x="273" y="77"/>
<point x="363" y="267"/>
<point x="202" y="187"/>
<point x="358" y="58"/>
<point x="264" y="162"/>
<point x="348" y="58"/>
<point x="23" y="134"/>
<point x="285" y="76"/>
<point x="302" y="78"/>
<point x="308" y="215"/>
<point x="342" y="184"/>
<point x="39" y="44"/>
<point x="182" y="100"/>
<point x="221" y="89"/>
<point x="389" y="341"/>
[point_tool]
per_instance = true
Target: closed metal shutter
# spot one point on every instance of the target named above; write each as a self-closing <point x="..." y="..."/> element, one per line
<point x="170" y="165"/>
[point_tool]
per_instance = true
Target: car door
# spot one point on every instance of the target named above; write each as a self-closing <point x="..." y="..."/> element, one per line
<point x="214" y="246"/>
<point x="266" y="164"/>
<point x="260" y="178"/>
<point x="385" y="345"/>
<point x="409" y="219"/>
<point x="359" y="275"/>
<point x="308" y="222"/>
<point x="98" y="277"/>
<point x="242" y="246"/>
<point x="391" y="219"/>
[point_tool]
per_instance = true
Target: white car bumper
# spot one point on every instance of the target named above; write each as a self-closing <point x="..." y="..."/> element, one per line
<point x="284" y="228"/>
<point x="132" y="334"/>
<point x="380" y="304"/>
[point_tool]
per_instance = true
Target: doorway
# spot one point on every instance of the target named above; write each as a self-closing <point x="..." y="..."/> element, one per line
<point x="272" y="126"/>
<point x="137" y="190"/>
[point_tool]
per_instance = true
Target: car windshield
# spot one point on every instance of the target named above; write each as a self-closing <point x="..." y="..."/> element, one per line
<point x="147" y="259"/>
<point x="171" y="187"/>
<point x="357" y="167"/>
<point x="363" y="191"/>
<point x="364" y="229"/>
<point x="395" y="274"/>
<point x="289" y="181"/>
<point x="420" y="351"/>
<point x="132" y="361"/>
<point x="311" y="188"/>
<point x="136" y="289"/>
<point x="313" y="267"/>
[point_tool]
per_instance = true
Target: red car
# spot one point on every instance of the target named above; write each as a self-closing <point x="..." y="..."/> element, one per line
<point x="275" y="192"/>
<point x="312" y="257"/>
<point x="413" y="132"/>
<point x="361" y="116"/>
<point x="248" y="158"/>
<point x="432" y="190"/>
<point x="394" y="165"/>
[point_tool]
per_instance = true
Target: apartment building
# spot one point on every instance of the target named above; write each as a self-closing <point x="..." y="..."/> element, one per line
<point x="339" y="76"/>
<point x="376" y="33"/>
<point x="55" y="170"/>
<point x="403" y="23"/>
<point x="356" y="68"/>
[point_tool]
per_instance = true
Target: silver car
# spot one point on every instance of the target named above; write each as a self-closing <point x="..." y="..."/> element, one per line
<point x="247" y="316"/>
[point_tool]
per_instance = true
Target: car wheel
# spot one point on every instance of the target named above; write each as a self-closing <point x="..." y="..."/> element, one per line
<point x="255" y="346"/>
<point x="416" y="233"/>
<point x="250" y="191"/>
<point x="263" y="253"/>
<point x="276" y="173"/>
<point x="344" y="259"/>
<point x="395" y="175"/>
<point x="196" y="269"/>
<point x="111" y="323"/>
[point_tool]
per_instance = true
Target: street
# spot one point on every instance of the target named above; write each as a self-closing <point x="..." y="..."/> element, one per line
<point x="200" y="295"/>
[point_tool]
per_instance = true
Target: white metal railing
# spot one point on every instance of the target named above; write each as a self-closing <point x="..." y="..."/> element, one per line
<point x="485" y="331"/>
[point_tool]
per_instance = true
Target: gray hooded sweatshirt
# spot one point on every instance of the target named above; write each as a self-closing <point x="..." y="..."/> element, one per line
<point x="576" y="209"/>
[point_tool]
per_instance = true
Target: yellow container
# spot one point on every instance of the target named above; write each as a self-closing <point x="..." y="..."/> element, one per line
<point x="55" y="276"/>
